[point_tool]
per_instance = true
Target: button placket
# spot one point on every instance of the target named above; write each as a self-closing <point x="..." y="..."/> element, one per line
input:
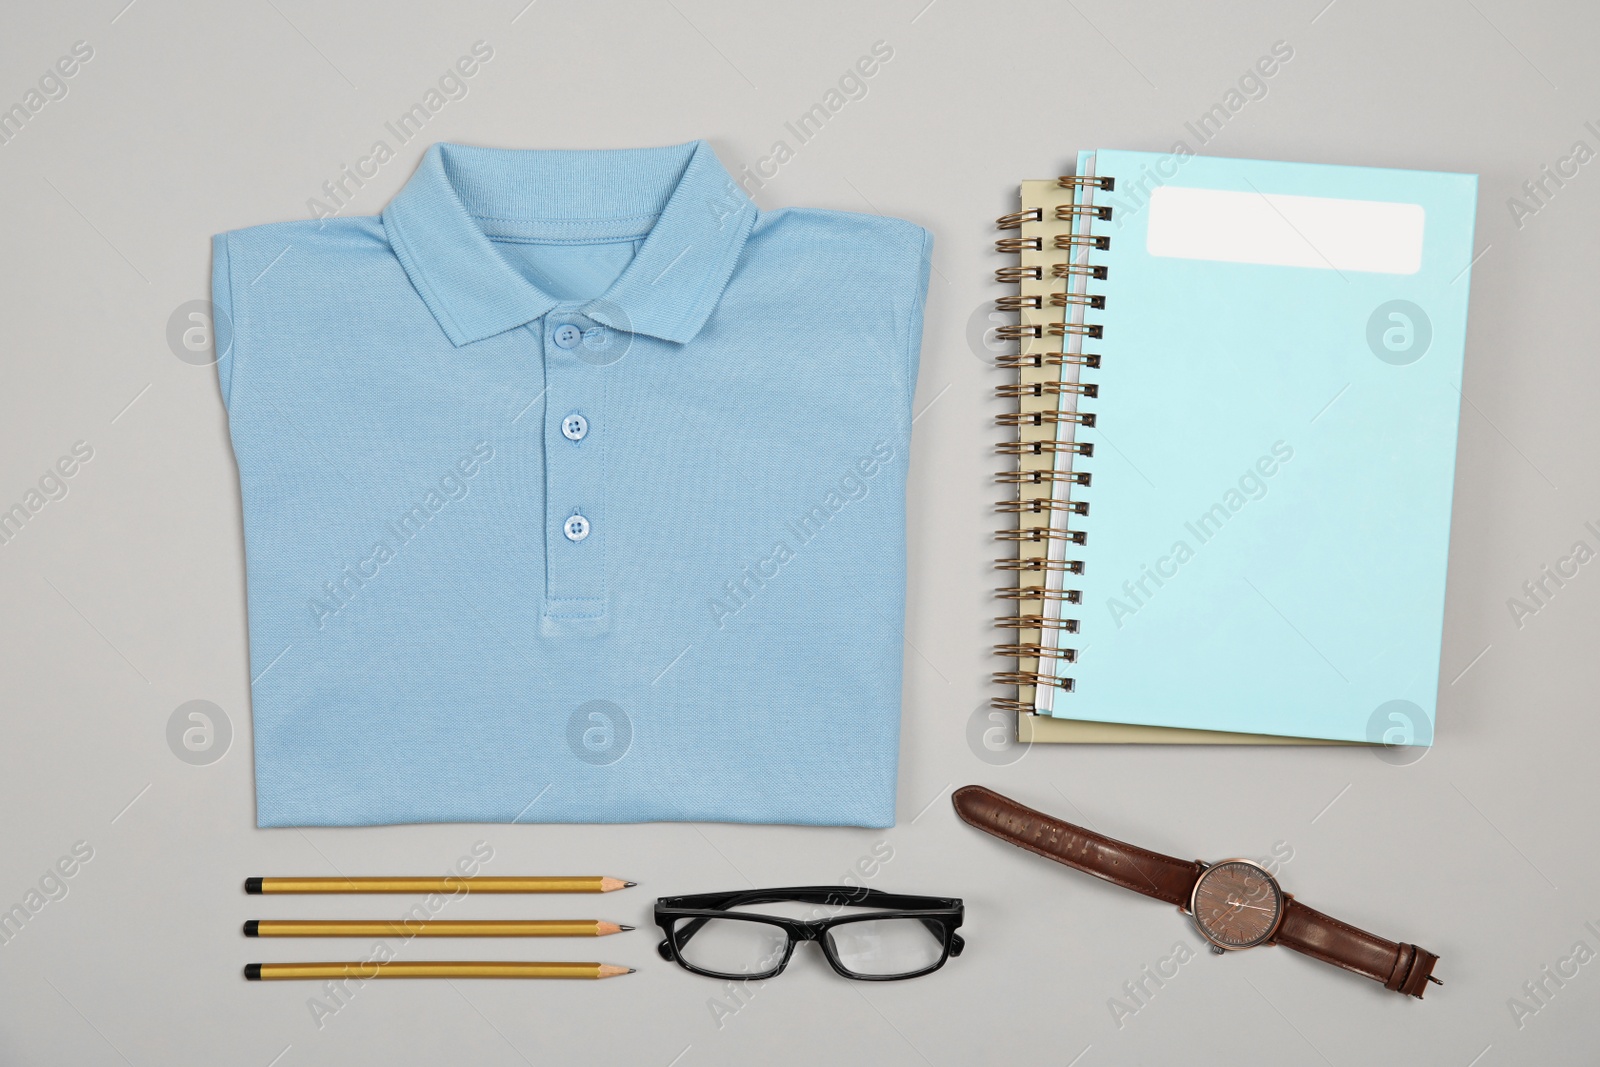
<point x="575" y="522"/>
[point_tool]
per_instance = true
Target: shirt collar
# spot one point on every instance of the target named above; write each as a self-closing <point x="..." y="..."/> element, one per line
<point x="441" y="222"/>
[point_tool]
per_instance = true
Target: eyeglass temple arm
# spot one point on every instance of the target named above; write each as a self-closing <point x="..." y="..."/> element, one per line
<point x="840" y="896"/>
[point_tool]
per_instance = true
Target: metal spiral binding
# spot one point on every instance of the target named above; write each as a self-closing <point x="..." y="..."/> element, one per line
<point x="1050" y="388"/>
<point x="1040" y="477"/>
<point x="1039" y="592"/>
<point x="1077" y="240"/>
<point x="1019" y="244"/>
<point x="1015" y="220"/>
<point x="1067" y="270"/>
<point x="1076" y="507"/>
<point x="1018" y="360"/>
<point x="1044" y="448"/>
<point x="1068" y="212"/>
<point x="1036" y="399"/>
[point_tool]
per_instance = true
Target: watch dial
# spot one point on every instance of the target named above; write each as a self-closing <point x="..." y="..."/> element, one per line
<point x="1237" y="904"/>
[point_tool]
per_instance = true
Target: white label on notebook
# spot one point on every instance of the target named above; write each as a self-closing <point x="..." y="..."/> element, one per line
<point x="1285" y="231"/>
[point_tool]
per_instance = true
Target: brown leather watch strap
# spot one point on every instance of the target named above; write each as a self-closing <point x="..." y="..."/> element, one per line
<point x="1400" y="967"/>
<point x="1142" y="871"/>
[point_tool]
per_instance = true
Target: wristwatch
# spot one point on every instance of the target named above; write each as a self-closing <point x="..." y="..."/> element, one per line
<point x="1236" y="904"/>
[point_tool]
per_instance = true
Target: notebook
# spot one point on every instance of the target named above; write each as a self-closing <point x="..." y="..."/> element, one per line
<point x="1237" y="392"/>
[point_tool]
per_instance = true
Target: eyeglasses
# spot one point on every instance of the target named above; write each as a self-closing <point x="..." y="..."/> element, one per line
<point x="904" y="937"/>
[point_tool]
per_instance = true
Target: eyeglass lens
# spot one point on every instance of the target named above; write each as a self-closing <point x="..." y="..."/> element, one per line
<point x="877" y="948"/>
<point x="884" y="947"/>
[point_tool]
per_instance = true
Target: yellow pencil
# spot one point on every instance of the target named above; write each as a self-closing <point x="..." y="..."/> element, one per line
<point x="431" y="928"/>
<point x="450" y="885"/>
<point x="270" y="972"/>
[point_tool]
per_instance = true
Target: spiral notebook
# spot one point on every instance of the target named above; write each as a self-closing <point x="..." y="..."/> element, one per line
<point x="1234" y="432"/>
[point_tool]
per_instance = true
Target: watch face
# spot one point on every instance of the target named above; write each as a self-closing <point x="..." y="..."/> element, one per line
<point x="1236" y="904"/>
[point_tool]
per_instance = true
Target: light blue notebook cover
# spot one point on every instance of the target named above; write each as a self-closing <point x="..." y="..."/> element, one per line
<point x="1274" y="445"/>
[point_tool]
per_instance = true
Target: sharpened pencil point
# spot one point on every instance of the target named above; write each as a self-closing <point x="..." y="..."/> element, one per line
<point x="626" y="927"/>
<point x="629" y="885"/>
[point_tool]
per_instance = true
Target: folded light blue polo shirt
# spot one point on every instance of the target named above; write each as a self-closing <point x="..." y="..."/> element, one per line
<point x="574" y="491"/>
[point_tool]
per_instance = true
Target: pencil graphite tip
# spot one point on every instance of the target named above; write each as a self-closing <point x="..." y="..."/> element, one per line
<point x="629" y="885"/>
<point x="624" y="926"/>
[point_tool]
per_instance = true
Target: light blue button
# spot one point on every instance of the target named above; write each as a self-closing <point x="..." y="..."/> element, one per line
<point x="576" y="528"/>
<point x="574" y="427"/>
<point x="568" y="336"/>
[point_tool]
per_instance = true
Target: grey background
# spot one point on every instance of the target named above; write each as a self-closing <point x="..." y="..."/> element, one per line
<point x="124" y="600"/>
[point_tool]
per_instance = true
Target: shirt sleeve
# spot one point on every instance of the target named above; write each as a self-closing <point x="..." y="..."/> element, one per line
<point x="914" y="314"/>
<point x="222" y="318"/>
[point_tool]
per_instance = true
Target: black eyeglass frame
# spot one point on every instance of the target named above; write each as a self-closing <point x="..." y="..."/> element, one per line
<point x="941" y="915"/>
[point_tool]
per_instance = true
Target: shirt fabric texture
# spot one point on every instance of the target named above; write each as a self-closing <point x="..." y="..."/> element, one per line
<point x="574" y="491"/>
